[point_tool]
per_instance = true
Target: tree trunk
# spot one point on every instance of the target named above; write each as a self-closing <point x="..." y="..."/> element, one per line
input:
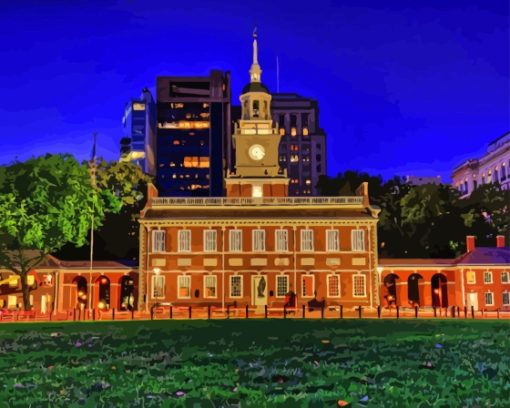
<point x="26" y="292"/>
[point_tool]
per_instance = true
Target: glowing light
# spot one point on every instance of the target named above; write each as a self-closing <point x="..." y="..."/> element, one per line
<point x="101" y="305"/>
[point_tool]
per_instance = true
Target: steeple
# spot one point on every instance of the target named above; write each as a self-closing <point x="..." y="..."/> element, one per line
<point x="255" y="71"/>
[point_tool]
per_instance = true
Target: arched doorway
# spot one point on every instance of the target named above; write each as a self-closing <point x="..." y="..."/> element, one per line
<point x="439" y="290"/>
<point x="103" y="293"/>
<point x="413" y="289"/>
<point x="127" y="296"/>
<point x="390" y="284"/>
<point x="81" y="292"/>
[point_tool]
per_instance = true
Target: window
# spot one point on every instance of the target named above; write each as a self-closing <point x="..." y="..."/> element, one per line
<point x="256" y="191"/>
<point x="210" y="240"/>
<point x="282" y="285"/>
<point x="209" y="286"/>
<point x="236" y="286"/>
<point x="306" y="240"/>
<point x="158" y="287"/>
<point x="282" y="244"/>
<point x="184" y="238"/>
<point x="235" y="240"/>
<point x="487" y="277"/>
<point x="307" y="285"/>
<point x="358" y="286"/>
<point x="332" y="241"/>
<point x="506" y="298"/>
<point x="184" y="287"/>
<point x="259" y="240"/>
<point x="12" y="301"/>
<point x="489" y="298"/>
<point x="158" y="241"/>
<point x="505" y="277"/>
<point x="333" y="286"/>
<point x="358" y="240"/>
<point x="471" y="277"/>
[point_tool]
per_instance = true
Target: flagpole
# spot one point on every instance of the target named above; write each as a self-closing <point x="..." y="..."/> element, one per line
<point x="93" y="182"/>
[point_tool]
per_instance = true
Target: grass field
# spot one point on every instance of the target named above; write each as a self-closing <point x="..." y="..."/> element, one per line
<point x="257" y="363"/>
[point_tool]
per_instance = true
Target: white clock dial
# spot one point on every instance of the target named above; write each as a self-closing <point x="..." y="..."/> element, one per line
<point x="257" y="152"/>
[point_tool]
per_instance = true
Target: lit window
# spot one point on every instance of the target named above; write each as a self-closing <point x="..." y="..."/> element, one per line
<point x="158" y="241"/>
<point x="282" y="285"/>
<point x="293" y="131"/>
<point x="306" y="240"/>
<point x="138" y="106"/>
<point x="184" y="287"/>
<point x="259" y="240"/>
<point x="12" y="301"/>
<point x="305" y="131"/>
<point x="333" y="286"/>
<point x="176" y="142"/>
<point x="471" y="277"/>
<point x="487" y="277"/>
<point x="236" y="240"/>
<point x="358" y="286"/>
<point x="308" y="181"/>
<point x="256" y="191"/>
<point x="210" y="240"/>
<point x="506" y="299"/>
<point x="282" y="131"/>
<point x="358" y="240"/>
<point x="307" y="285"/>
<point x="236" y="286"/>
<point x="505" y="277"/>
<point x="332" y="241"/>
<point x="209" y="286"/>
<point x="158" y="286"/>
<point x="184" y="239"/>
<point x="294" y="158"/>
<point x="281" y="240"/>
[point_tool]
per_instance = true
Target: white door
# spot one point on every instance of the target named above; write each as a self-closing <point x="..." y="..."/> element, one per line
<point x="259" y="290"/>
<point x="473" y="300"/>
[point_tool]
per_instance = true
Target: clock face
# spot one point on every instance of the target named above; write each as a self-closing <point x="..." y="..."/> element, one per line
<point x="257" y="152"/>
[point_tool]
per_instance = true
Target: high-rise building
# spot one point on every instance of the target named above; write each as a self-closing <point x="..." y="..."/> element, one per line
<point x="138" y="142"/>
<point x="303" y="147"/>
<point x="193" y="134"/>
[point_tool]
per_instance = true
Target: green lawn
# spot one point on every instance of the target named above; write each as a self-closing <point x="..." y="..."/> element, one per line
<point x="257" y="363"/>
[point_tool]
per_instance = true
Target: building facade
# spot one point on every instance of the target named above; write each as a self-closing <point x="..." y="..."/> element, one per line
<point x="139" y="122"/>
<point x="193" y="134"/>
<point x="492" y="167"/>
<point x="302" y="149"/>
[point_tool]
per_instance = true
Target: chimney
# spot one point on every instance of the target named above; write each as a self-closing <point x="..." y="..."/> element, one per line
<point x="470" y="243"/>
<point x="500" y="241"/>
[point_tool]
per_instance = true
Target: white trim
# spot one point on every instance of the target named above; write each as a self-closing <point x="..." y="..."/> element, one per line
<point x="337" y="276"/>
<point x="278" y="241"/>
<point x="503" y="298"/>
<point x="215" y="280"/>
<point x="303" y="286"/>
<point x="158" y="244"/>
<point x="488" y="273"/>
<point x="184" y="241"/>
<point x="153" y="281"/>
<point x="212" y="242"/>
<point x="358" y="240"/>
<point x="507" y="274"/>
<point x="183" y="278"/>
<point x="485" y="298"/>
<point x="306" y="240"/>
<point x="473" y="282"/>
<point x="364" y="286"/>
<point x="230" y="286"/>
<point x="261" y="243"/>
<point x="231" y="233"/>
<point x="337" y="246"/>
<point x="286" y="278"/>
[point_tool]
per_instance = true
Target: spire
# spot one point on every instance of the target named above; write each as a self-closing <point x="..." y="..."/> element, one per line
<point x="255" y="71"/>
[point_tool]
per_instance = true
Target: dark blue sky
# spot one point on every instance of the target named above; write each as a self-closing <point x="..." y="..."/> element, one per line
<point x="405" y="87"/>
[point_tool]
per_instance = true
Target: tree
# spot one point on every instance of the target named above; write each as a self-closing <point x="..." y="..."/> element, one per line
<point x="45" y="203"/>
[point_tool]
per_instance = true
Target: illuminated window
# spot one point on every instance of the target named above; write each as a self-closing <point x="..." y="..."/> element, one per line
<point x="308" y="181"/>
<point x="184" y="239"/>
<point x="176" y="142"/>
<point x="138" y="106"/>
<point x="158" y="241"/>
<point x="293" y="131"/>
<point x="282" y="131"/>
<point x="305" y="131"/>
<point x="358" y="240"/>
<point x="196" y="162"/>
<point x="184" y="287"/>
<point x="209" y="286"/>
<point x="178" y="105"/>
<point x="471" y="277"/>
<point x="256" y="191"/>
<point x="236" y="286"/>
<point x="294" y="158"/>
<point x="333" y="286"/>
<point x="282" y="243"/>
<point x="358" y="286"/>
<point x="307" y="285"/>
<point x="205" y="105"/>
<point x="158" y="286"/>
<point x="306" y="240"/>
<point x="235" y="240"/>
<point x="210" y="240"/>
<point x="282" y="285"/>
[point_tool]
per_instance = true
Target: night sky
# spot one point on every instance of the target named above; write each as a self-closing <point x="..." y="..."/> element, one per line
<point x="404" y="87"/>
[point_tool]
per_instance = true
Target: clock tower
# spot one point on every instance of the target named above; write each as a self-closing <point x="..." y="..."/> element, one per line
<point x="257" y="172"/>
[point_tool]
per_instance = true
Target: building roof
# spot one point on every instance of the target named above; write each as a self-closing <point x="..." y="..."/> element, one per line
<point x="485" y="256"/>
<point x="255" y="87"/>
<point x="408" y="262"/>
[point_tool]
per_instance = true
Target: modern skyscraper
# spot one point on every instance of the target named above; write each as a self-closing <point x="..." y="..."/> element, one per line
<point x="193" y="134"/>
<point x="139" y="123"/>
<point x="303" y="147"/>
